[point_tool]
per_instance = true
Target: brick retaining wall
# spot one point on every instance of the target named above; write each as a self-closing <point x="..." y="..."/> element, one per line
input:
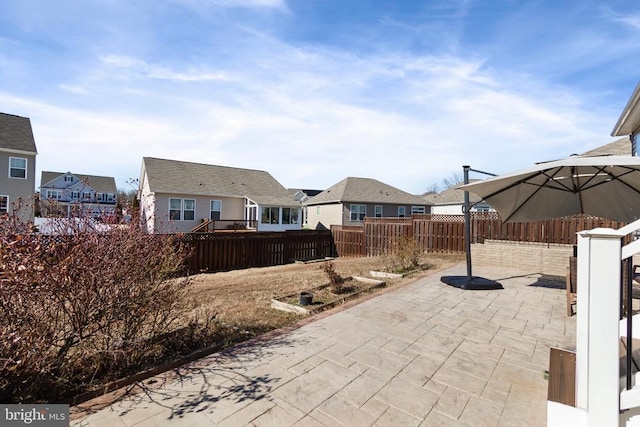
<point x="550" y="259"/>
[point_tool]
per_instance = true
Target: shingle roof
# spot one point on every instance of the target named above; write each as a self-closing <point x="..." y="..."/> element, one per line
<point x="16" y="134"/>
<point x="450" y="196"/>
<point x="619" y="147"/>
<point x="365" y="190"/>
<point x="101" y="184"/>
<point x="197" y="179"/>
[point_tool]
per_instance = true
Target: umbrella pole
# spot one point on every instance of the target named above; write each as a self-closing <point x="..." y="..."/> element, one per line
<point x="467" y="222"/>
<point x="469" y="282"/>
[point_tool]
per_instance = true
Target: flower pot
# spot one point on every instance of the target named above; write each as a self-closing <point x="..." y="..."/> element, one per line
<point x="306" y="298"/>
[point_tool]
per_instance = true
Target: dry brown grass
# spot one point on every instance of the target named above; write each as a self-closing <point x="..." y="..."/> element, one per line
<point x="241" y="299"/>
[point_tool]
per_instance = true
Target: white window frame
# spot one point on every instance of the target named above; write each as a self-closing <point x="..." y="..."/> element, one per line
<point x="292" y="212"/>
<point x="191" y="212"/>
<point x="418" y="210"/>
<point x="53" y="194"/>
<point x="12" y="168"/>
<point x="68" y="178"/>
<point x="378" y="211"/>
<point x="357" y="211"/>
<point x="75" y="195"/>
<point x="402" y="211"/>
<point x="270" y="218"/>
<point x="4" y="204"/>
<point x="178" y="210"/>
<point x="212" y="210"/>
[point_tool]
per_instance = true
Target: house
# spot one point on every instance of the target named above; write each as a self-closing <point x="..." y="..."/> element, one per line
<point x="451" y="202"/>
<point x="177" y="196"/>
<point x="619" y="147"/>
<point x="349" y="201"/>
<point x="70" y="195"/>
<point x="18" y="158"/>
<point x="628" y="123"/>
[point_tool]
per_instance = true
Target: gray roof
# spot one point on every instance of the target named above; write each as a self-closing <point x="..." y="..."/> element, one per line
<point x="365" y="190"/>
<point x="450" y="196"/>
<point x="197" y="179"/>
<point x="619" y="147"/>
<point x="629" y="120"/>
<point x="101" y="184"/>
<point x="16" y="134"/>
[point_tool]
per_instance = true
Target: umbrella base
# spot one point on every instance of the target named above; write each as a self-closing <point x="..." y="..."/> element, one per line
<point x="471" y="283"/>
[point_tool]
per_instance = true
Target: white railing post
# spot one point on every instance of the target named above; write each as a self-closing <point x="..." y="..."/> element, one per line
<point x="582" y="322"/>
<point x="597" y="330"/>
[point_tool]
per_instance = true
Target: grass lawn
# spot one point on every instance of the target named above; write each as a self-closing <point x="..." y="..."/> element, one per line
<point x="241" y="299"/>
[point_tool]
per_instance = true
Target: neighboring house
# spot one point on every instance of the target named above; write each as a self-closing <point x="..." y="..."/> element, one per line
<point x="451" y="201"/>
<point x="17" y="165"/>
<point x="351" y="200"/>
<point x="71" y="195"/>
<point x="629" y="121"/>
<point x="177" y="196"/>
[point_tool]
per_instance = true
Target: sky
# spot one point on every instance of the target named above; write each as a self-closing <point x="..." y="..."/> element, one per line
<point x="314" y="91"/>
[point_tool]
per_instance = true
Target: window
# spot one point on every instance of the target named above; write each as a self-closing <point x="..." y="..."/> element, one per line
<point x="318" y="210"/>
<point x="289" y="215"/>
<point x="378" y="211"/>
<point x="402" y="211"/>
<point x="189" y="209"/>
<point x="4" y="204"/>
<point x="68" y="178"/>
<point x="86" y="195"/>
<point x="175" y="209"/>
<point x="417" y="210"/>
<point x="358" y="212"/>
<point x="270" y="215"/>
<point x="17" y="167"/>
<point x="216" y="210"/>
<point x="53" y="194"/>
<point x="75" y="195"/>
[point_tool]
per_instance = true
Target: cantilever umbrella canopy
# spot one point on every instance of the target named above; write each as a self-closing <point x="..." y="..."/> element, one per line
<point x="602" y="186"/>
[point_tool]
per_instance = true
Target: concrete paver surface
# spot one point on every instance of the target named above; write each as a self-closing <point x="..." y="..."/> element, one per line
<point x="424" y="354"/>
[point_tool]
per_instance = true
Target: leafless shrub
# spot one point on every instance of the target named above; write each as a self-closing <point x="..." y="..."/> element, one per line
<point x="336" y="282"/>
<point x="82" y="305"/>
<point x="406" y="254"/>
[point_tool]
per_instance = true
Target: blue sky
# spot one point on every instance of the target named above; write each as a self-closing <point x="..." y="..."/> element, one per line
<point x="313" y="91"/>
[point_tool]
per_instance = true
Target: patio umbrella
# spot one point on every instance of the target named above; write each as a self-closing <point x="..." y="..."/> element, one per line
<point x="602" y="186"/>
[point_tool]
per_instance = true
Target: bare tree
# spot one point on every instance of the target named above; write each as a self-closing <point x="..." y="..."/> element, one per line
<point x="432" y="189"/>
<point x="452" y="180"/>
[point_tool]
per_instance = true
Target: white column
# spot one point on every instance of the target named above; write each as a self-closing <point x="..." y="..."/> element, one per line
<point x="582" y="322"/>
<point x="597" y="334"/>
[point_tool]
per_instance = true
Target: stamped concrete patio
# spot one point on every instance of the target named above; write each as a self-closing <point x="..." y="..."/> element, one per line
<point x="425" y="354"/>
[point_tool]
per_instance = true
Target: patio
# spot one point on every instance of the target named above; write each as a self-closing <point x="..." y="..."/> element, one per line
<point x="424" y="354"/>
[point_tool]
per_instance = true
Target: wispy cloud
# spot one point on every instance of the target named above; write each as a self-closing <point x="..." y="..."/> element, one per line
<point x="132" y="67"/>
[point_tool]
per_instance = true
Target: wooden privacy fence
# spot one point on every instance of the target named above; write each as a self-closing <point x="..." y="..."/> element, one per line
<point x="445" y="233"/>
<point x="222" y="251"/>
